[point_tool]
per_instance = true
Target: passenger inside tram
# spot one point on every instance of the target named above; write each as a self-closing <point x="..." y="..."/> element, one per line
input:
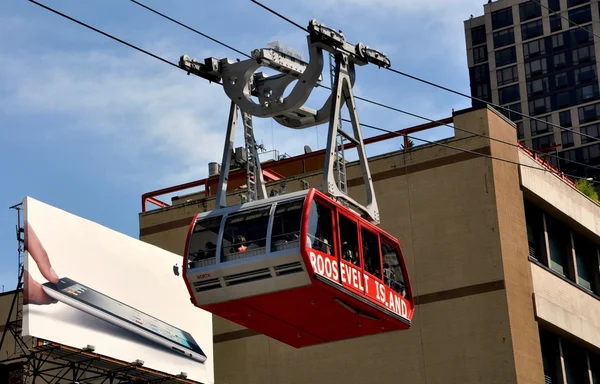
<point x="393" y="275"/>
<point x="245" y="234"/>
<point x="349" y="240"/>
<point x="320" y="228"/>
<point x="286" y="225"/>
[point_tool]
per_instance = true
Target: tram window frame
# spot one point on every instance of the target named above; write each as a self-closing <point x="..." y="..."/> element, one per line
<point x="397" y="270"/>
<point x="342" y="232"/>
<point x="247" y="230"/>
<point x="211" y="225"/>
<point x="285" y="238"/>
<point x="377" y="273"/>
<point x="312" y="227"/>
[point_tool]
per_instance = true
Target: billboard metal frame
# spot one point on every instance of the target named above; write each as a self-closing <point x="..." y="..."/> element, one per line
<point x="40" y="361"/>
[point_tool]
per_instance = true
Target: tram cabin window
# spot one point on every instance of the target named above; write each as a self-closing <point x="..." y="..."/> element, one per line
<point x="286" y="225"/>
<point x="393" y="273"/>
<point x="245" y="234"/>
<point x="372" y="258"/>
<point x="320" y="228"/>
<point x="203" y="242"/>
<point x="349" y="241"/>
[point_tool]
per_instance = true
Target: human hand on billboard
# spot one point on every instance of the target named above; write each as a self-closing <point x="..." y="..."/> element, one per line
<point x="33" y="292"/>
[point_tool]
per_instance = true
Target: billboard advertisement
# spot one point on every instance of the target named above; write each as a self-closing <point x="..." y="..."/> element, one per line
<point x="86" y="284"/>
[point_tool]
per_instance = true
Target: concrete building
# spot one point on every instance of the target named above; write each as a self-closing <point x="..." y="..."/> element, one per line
<point x="503" y="259"/>
<point x="531" y="59"/>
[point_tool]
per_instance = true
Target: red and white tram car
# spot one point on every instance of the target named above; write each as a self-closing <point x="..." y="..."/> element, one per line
<point x="299" y="268"/>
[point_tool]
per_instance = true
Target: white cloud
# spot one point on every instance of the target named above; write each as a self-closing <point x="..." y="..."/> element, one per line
<point x="148" y="109"/>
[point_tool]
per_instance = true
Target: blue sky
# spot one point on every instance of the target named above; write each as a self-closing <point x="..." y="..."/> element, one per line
<point x="89" y="125"/>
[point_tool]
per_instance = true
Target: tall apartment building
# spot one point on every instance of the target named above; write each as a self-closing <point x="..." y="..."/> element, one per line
<point x="528" y="58"/>
<point x="503" y="259"/>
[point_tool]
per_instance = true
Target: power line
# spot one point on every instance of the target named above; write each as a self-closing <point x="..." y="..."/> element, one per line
<point x="326" y="87"/>
<point x="451" y="90"/>
<point x="366" y="125"/>
<point x="190" y="28"/>
<point x="106" y="34"/>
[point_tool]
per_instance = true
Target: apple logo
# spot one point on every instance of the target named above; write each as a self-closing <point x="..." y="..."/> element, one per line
<point x="176" y="270"/>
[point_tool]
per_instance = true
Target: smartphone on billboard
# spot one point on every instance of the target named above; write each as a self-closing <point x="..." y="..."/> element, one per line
<point x="88" y="300"/>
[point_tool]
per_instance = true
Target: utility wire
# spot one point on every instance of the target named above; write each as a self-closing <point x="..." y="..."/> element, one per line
<point x="190" y="28"/>
<point x="106" y="34"/>
<point x="451" y="90"/>
<point x="541" y="168"/>
<point x="328" y="88"/>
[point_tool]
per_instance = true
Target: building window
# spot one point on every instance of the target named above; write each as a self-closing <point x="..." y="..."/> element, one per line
<point x="559" y="60"/>
<point x="515" y="108"/>
<point x="530" y="10"/>
<point x="540" y="125"/>
<point x="502" y="18"/>
<point x="520" y="130"/>
<point x="480" y="73"/>
<point x="507" y="75"/>
<point x="580" y="15"/>
<point x="535" y="232"/>
<point x="566" y="139"/>
<point x="590" y="130"/>
<point x="542" y="142"/>
<point x="535" y="68"/>
<point x="585" y="74"/>
<point x="532" y="29"/>
<point x="480" y="54"/>
<point x="509" y="94"/>
<point x="588" y="113"/>
<point x="563" y="100"/>
<point x="587" y="93"/>
<point x="565" y="118"/>
<point x="504" y="37"/>
<point x="561" y="80"/>
<point x="554" y="5"/>
<point x="591" y="154"/>
<point x="550" y="356"/>
<point x="558" y="41"/>
<point x="583" y="54"/>
<point x="559" y="244"/>
<point x="555" y="23"/>
<point x="575" y="359"/>
<point x="533" y="49"/>
<point x="539" y="106"/>
<point x="482" y="91"/>
<point x="572" y="3"/>
<point x="583" y="35"/>
<point x="478" y="35"/>
<point x="537" y="86"/>
<point x="506" y="56"/>
<point x="585" y="256"/>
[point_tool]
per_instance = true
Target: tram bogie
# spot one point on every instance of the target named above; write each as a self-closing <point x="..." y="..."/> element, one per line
<point x="288" y="265"/>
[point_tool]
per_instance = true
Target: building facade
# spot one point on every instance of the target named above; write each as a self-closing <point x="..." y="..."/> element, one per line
<point x="503" y="260"/>
<point x="541" y="61"/>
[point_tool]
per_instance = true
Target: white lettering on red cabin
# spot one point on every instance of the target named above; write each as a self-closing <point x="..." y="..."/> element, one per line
<point x="327" y="267"/>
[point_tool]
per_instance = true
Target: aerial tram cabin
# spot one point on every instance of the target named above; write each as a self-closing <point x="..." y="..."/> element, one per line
<point x="299" y="268"/>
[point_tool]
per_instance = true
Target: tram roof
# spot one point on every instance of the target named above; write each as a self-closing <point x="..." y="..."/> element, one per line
<point x="254" y="204"/>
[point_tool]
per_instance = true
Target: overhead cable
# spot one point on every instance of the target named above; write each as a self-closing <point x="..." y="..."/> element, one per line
<point x="451" y="90"/>
<point x="399" y="134"/>
<point x="328" y="88"/>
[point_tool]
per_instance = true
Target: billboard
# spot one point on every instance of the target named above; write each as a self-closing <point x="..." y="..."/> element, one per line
<point x="86" y="284"/>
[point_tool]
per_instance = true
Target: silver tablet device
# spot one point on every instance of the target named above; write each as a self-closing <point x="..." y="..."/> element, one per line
<point x="106" y="308"/>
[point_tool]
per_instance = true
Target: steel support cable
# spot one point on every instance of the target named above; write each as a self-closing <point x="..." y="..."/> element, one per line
<point x="328" y="88"/>
<point x="446" y="88"/>
<point x="540" y="167"/>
